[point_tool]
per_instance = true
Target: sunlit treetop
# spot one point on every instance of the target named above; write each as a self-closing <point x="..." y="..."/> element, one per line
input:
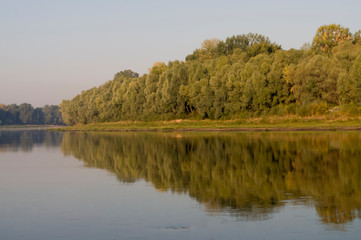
<point x="328" y="36"/>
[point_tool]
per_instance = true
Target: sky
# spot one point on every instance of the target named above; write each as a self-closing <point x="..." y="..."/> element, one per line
<point x="52" y="50"/>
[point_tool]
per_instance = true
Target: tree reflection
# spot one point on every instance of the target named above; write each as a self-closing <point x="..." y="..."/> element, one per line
<point x="25" y="140"/>
<point x="248" y="174"/>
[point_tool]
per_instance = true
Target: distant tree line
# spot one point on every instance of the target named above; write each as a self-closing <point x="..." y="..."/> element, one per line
<point x="25" y="113"/>
<point x="245" y="75"/>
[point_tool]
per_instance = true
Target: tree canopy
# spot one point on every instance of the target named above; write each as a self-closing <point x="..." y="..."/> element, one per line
<point x="328" y="36"/>
<point x="245" y="75"/>
<point x="25" y="113"/>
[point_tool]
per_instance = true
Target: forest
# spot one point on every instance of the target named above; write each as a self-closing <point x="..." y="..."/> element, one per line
<point x="244" y="76"/>
<point x="25" y="113"/>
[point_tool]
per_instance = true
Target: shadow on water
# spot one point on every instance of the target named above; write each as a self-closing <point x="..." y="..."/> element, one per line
<point x="249" y="175"/>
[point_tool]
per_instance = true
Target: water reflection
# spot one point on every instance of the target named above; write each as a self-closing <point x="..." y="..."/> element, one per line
<point x="249" y="175"/>
<point x="25" y="140"/>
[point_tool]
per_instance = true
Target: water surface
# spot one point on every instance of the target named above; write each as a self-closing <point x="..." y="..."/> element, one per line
<point x="301" y="185"/>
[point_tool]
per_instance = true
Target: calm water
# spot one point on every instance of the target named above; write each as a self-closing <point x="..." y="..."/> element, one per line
<point x="304" y="185"/>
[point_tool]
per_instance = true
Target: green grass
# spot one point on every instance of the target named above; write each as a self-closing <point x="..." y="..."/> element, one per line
<point x="253" y="124"/>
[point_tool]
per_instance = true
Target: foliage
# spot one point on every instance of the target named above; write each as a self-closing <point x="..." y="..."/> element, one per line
<point x="251" y="43"/>
<point x="26" y="114"/>
<point x="328" y="36"/>
<point x="245" y="75"/>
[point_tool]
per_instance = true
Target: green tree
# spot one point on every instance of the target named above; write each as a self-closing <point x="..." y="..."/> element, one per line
<point x="51" y="115"/>
<point x="151" y="87"/>
<point x="356" y="37"/>
<point x="356" y="78"/>
<point x="328" y="36"/>
<point x="315" y="79"/>
<point x="244" y="75"/>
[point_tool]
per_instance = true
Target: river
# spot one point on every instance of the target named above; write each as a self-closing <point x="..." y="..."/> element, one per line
<point x="172" y="185"/>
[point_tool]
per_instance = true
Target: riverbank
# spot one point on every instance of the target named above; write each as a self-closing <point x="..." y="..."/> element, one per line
<point x="288" y="123"/>
<point x="28" y="127"/>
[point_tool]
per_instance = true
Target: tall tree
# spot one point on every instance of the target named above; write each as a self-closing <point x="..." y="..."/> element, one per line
<point x="328" y="36"/>
<point x="356" y="78"/>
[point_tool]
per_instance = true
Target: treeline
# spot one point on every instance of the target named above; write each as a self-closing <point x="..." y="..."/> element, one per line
<point x="25" y="113"/>
<point x="245" y="75"/>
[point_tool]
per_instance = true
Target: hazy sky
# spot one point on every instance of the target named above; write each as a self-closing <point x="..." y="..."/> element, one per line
<point x="51" y="50"/>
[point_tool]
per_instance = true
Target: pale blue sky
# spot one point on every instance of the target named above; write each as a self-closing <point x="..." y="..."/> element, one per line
<point x="53" y="49"/>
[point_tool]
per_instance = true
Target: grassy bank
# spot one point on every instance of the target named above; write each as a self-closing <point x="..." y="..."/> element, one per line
<point x="28" y="127"/>
<point x="289" y="123"/>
